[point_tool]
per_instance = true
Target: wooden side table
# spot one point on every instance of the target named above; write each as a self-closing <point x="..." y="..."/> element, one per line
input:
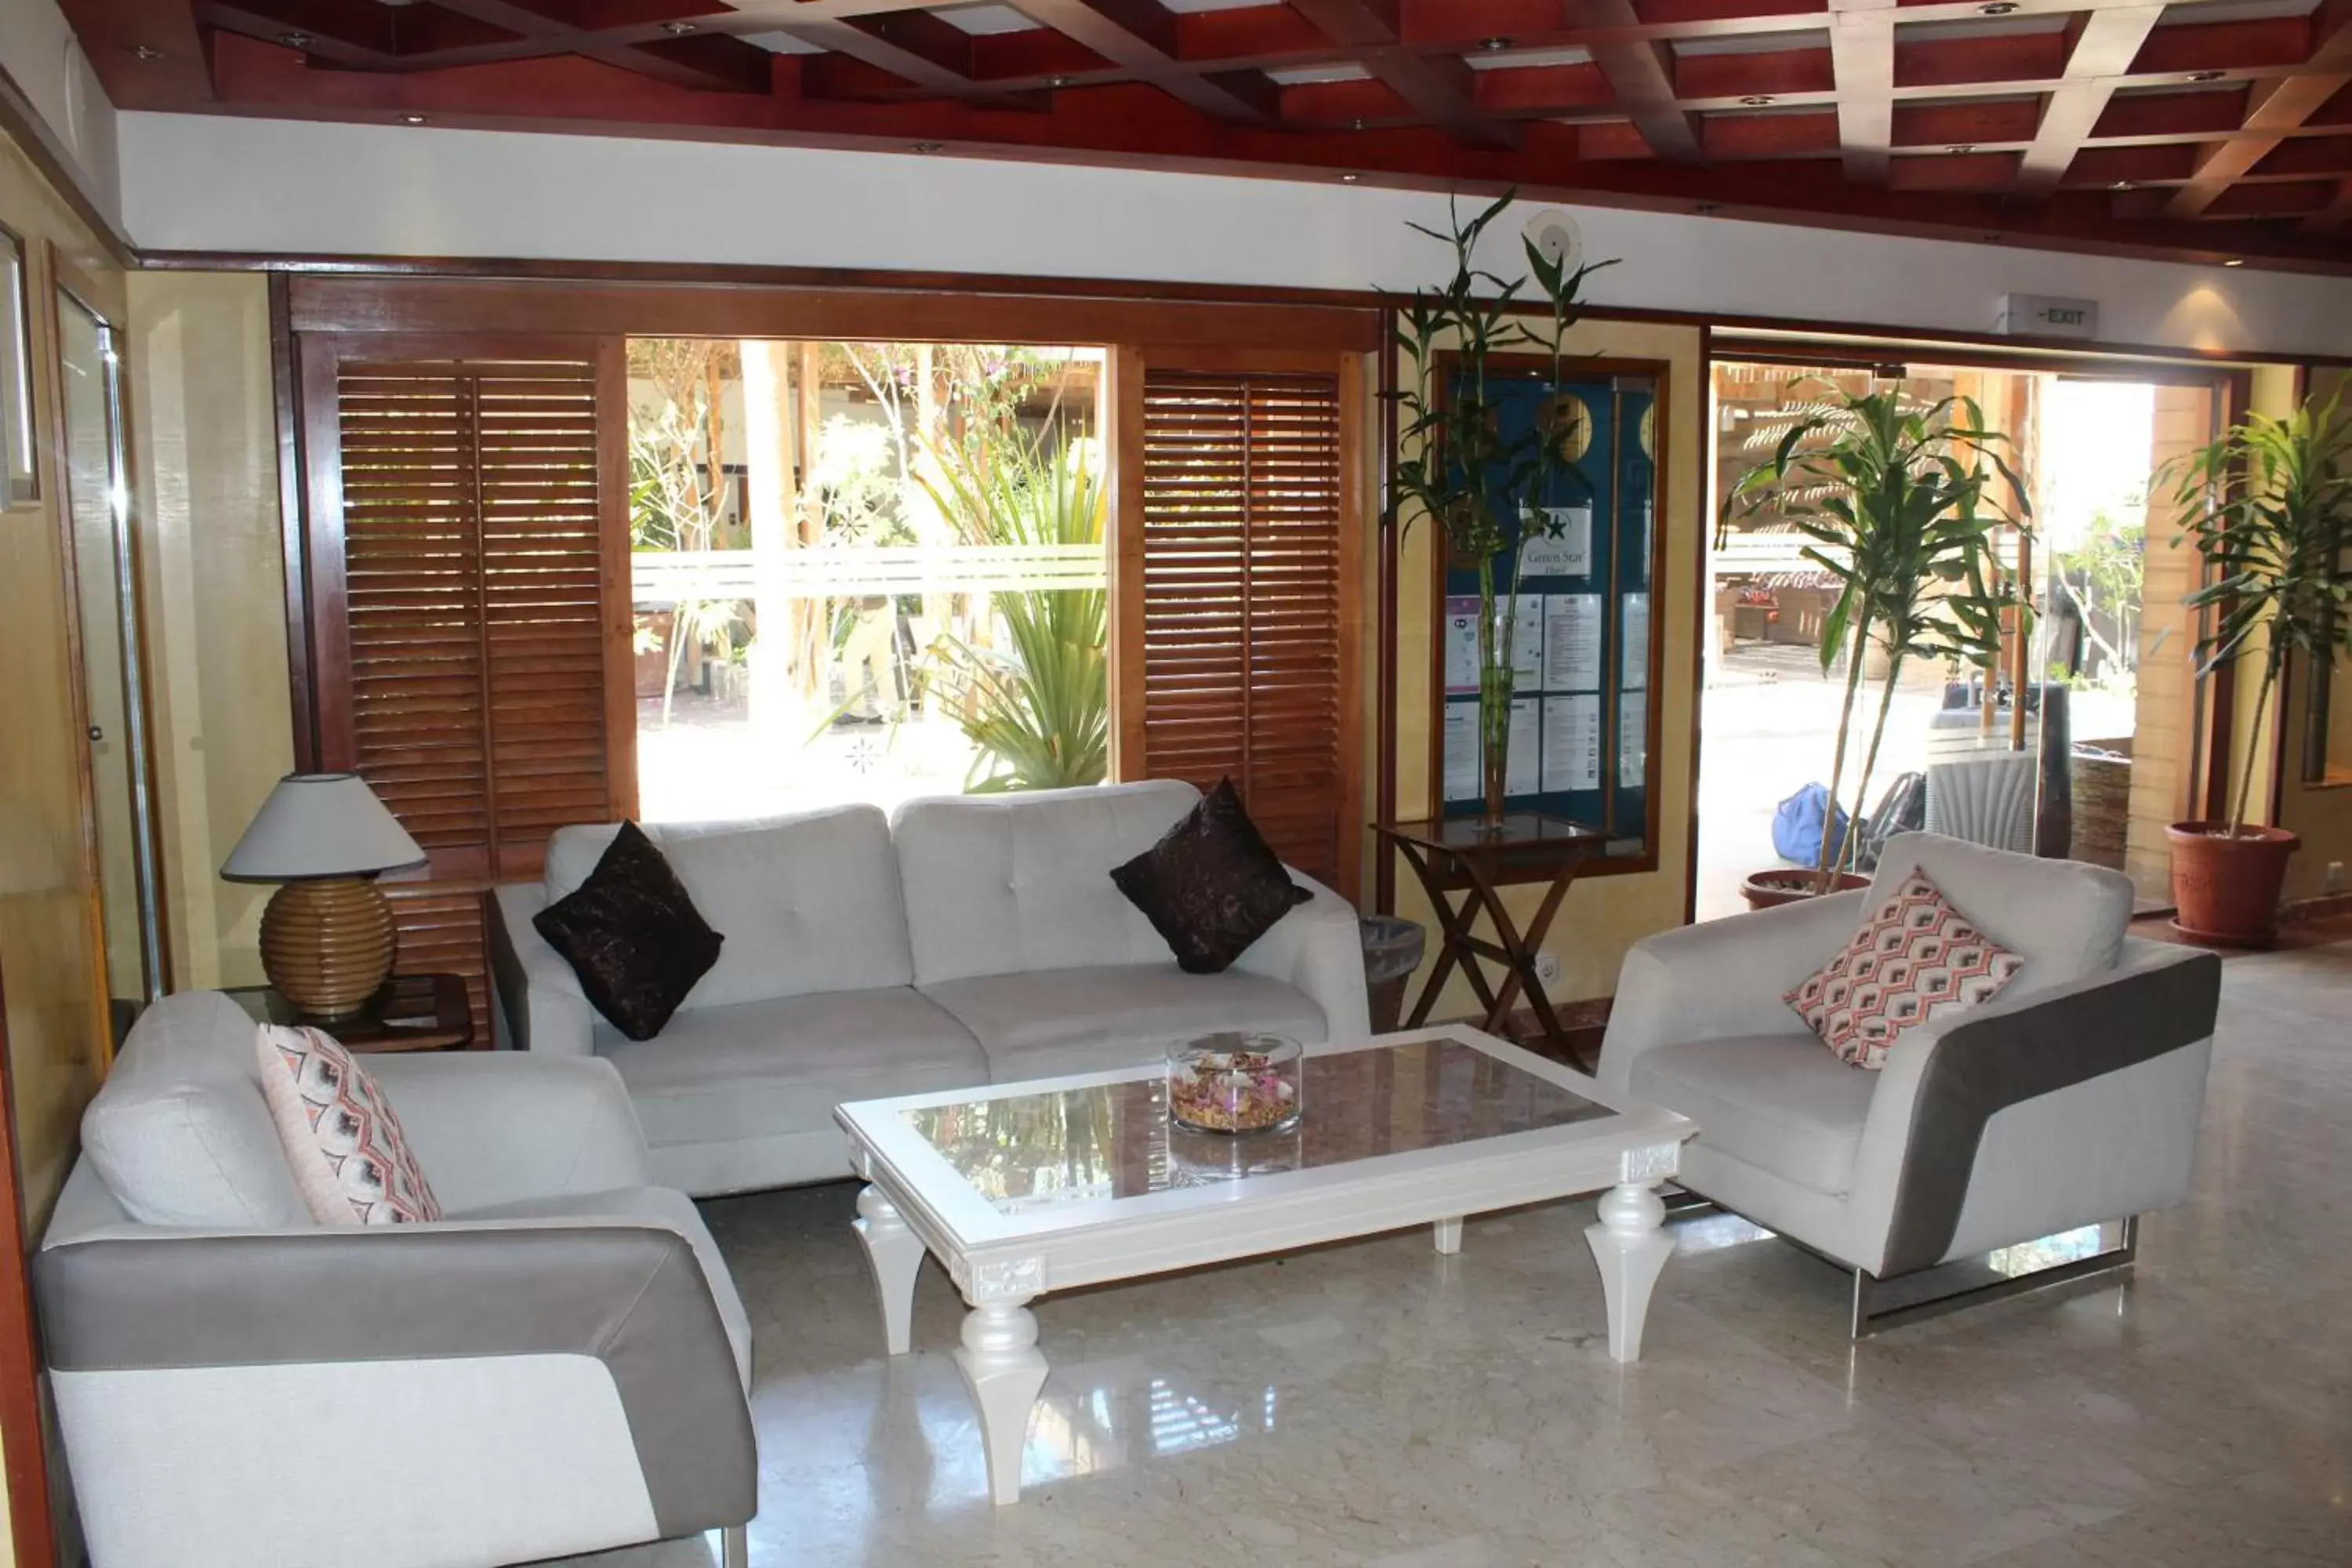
<point x="1467" y="857"/>
<point x="412" y="1013"/>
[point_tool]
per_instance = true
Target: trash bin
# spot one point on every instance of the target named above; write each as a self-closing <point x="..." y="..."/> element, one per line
<point x="1392" y="950"/>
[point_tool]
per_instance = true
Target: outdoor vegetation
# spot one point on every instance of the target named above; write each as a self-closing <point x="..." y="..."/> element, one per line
<point x="882" y="558"/>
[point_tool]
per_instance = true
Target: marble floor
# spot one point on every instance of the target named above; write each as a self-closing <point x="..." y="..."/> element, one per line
<point x="1377" y="1404"/>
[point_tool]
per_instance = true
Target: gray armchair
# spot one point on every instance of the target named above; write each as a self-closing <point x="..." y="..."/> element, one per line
<point x="2072" y="1098"/>
<point x="559" y="1366"/>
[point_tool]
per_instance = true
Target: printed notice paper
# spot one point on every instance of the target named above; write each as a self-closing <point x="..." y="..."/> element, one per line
<point x="1572" y="642"/>
<point x="1572" y="744"/>
<point x="1633" y="642"/>
<point x="1527" y="642"/>
<point x="1569" y="555"/>
<point x="1632" y="739"/>
<point x="1462" y="643"/>
<point x="1522" y="766"/>
<point x="1461" y="748"/>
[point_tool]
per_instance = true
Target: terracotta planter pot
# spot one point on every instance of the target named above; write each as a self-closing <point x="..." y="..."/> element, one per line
<point x="2226" y="890"/>
<point x="1792" y="884"/>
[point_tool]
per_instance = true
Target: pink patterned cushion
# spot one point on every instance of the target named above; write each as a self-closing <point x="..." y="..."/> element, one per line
<point x="1915" y="960"/>
<point x="350" y="1162"/>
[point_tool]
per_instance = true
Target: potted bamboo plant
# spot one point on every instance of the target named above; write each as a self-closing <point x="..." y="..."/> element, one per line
<point x="1900" y="504"/>
<point x="1483" y="486"/>
<point x="2269" y="506"/>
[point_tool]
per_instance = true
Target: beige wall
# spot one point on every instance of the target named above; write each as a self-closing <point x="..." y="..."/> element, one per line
<point x="1602" y="916"/>
<point x="207" y="463"/>
<point x="2321" y="813"/>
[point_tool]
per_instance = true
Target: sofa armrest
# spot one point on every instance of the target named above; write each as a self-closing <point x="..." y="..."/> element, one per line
<point x="1318" y="948"/>
<point x="1721" y="978"/>
<point x="632" y="1296"/>
<point x="1937" y="1097"/>
<point x="539" y="996"/>
<point x="497" y="1127"/>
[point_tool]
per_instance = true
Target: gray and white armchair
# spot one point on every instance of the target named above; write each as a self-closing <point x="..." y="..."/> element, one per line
<point x="559" y="1366"/>
<point x="2070" y="1099"/>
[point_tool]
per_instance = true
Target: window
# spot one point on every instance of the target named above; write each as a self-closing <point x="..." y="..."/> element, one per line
<point x="23" y="478"/>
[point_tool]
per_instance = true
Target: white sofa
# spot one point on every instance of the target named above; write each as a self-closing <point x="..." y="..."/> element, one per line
<point x="558" y="1366"/>
<point x="967" y="940"/>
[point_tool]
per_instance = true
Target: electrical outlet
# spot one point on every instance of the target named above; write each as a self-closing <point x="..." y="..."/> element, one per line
<point x="2335" y="883"/>
<point x="1547" y="965"/>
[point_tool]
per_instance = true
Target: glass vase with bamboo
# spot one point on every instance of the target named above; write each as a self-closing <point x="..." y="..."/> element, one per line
<point x="1456" y="465"/>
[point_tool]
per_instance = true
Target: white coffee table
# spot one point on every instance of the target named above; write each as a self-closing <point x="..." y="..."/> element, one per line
<point x="1023" y="1188"/>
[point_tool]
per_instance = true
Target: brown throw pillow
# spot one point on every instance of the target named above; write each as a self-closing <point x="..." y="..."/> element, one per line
<point x="631" y="935"/>
<point x="1211" y="886"/>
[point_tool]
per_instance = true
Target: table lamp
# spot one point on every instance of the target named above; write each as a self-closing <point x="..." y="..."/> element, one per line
<point x="327" y="938"/>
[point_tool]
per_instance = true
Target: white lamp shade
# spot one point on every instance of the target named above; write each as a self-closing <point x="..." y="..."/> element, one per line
<point x="321" y="825"/>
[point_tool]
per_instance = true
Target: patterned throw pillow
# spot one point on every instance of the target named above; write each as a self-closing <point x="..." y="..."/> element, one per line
<point x="1211" y="887"/>
<point x="351" y="1161"/>
<point x="1915" y="960"/>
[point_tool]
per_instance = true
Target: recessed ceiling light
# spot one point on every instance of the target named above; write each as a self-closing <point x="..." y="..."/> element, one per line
<point x="678" y="29"/>
<point x="1962" y="147"/>
<point x="930" y="147"/>
<point x="411" y="120"/>
<point x="2207" y="76"/>
<point x="1493" y="45"/>
<point x="1757" y="99"/>
<point x="1997" y="7"/>
<point x="1354" y="125"/>
<point x="1705" y="207"/>
<point x="1058" y="81"/>
<point x="1993" y="239"/>
<point x="145" y="52"/>
<point x="2121" y="186"/>
<point x="295" y="40"/>
<point x="1351" y="179"/>
<point x="2233" y="262"/>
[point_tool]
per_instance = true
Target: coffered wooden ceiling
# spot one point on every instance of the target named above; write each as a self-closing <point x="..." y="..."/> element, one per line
<point x="2211" y="129"/>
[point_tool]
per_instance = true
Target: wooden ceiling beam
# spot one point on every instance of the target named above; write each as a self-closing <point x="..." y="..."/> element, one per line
<point x="1862" y="63"/>
<point x="1141" y="37"/>
<point x="365" y="40"/>
<point x="1439" y="87"/>
<point x="743" y="72"/>
<point x="1642" y="74"/>
<point x="2105" y="45"/>
<point x="2333" y="215"/>
<point x="909" y="45"/>
<point x="2274" y="109"/>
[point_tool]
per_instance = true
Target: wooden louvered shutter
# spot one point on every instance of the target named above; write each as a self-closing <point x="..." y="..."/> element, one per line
<point x="1241" y="619"/>
<point x="466" y="520"/>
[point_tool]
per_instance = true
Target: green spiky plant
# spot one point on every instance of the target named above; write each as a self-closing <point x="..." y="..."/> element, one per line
<point x="2269" y="505"/>
<point x="1040" y="709"/>
<point x="1459" y="467"/>
<point x="1901" y="503"/>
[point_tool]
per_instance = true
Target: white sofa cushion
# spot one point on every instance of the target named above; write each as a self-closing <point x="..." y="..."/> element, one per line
<point x="1778" y="1102"/>
<point x="1058" y="1021"/>
<point x="1006" y="884"/>
<point x="179" y="1129"/>
<point x="807" y="903"/>
<point x="781" y="1065"/>
<point x="2067" y="919"/>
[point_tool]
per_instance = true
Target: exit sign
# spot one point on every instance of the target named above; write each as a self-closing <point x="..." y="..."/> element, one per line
<point x="2047" y="316"/>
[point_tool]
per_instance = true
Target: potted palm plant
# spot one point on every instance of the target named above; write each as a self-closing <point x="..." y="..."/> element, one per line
<point x="2269" y="506"/>
<point x="1480" y="483"/>
<point x="1900" y="504"/>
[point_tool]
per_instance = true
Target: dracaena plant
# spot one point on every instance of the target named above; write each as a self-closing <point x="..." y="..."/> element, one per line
<point x="1479" y="484"/>
<point x="1901" y="502"/>
<point x="2269" y="506"/>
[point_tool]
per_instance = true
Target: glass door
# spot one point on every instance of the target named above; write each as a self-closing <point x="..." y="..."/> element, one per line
<point x="105" y="592"/>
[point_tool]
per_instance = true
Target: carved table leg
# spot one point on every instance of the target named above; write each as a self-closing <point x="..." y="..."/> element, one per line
<point x="1631" y="1250"/>
<point x="1003" y="1370"/>
<point x="893" y="1253"/>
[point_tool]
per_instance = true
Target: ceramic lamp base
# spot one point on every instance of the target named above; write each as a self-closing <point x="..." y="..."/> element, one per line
<point x="326" y="944"/>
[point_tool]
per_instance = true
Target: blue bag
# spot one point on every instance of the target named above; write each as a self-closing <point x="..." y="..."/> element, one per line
<point x="1797" y="825"/>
